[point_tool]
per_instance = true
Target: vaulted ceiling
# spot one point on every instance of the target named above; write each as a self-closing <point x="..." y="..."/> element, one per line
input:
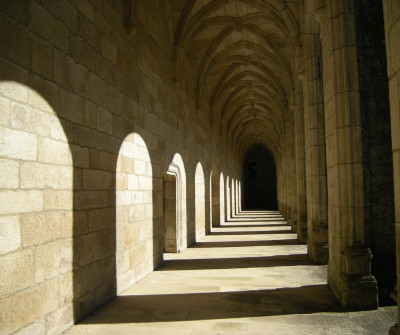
<point x="244" y="53"/>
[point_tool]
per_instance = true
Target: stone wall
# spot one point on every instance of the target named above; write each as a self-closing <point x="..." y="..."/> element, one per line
<point x="90" y="119"/>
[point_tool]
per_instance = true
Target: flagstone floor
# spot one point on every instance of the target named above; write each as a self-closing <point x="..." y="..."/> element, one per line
<point x="249" y="276"/>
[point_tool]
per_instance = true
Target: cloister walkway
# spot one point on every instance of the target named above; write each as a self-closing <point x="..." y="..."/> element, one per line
<point x="249" y="276"/>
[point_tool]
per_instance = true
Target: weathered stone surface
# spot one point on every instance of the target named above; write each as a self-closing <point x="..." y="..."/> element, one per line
<point x="10" y="234"/>
<point x="29" y="305"/>
<point x="18" y="144"/>
<point x="20" y="201"/>
<point x="18" y="271"/>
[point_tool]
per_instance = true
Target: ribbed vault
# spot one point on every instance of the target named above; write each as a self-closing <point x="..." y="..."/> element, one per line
<point x="244" y="53"/>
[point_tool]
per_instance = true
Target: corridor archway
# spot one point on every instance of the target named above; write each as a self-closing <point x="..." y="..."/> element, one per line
<point x="259" y="179"/>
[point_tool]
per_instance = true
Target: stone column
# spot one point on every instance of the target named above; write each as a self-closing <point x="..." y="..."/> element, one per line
<point x="301" y="199"/>
<point x="293" y="174"/>
<point x="284" y="173"/>
<point x="317" y="215"/>
<point x="281" y="183"/>
<point x="349" y="271"/>
<point x="289" y="172"/>
<point x="391" y="10"/>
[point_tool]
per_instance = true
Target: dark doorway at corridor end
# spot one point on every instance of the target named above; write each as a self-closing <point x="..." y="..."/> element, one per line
<point x="259" y="179"/>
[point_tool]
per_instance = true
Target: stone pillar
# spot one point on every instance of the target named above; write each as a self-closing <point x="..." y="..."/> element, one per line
<point x="301" y="198"/>
<point x="293" y="174"/>
<point x="391" y="10"/>
<point x="280" y="179"/>
<point x="317" y="215"/>
<point x="349" y="270"/>
<point x="284" y="179"/>
<point x="287" y="172"/>
<point x="285" y="175"/>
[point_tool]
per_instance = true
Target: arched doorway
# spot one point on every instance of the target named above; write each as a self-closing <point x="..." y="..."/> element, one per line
<point x="175" y="206"/>
<point x="259" y="179"/>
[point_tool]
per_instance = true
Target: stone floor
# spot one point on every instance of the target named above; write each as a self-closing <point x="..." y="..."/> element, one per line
<point x="249" y="276"/>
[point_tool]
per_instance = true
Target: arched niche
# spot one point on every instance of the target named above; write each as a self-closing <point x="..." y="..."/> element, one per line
<point x="259" y="179"/>
<point x="36" y="211"/>
<point x="134" y="207"/>
<point x="175" y="226"/>
<point x="200" y="210"/>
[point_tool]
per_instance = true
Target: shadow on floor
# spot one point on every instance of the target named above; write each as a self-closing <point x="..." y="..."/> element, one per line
<point x="234" y="244"/>
<point x="252" y="226"/>
<point x="235" y="263"/>
<point x="176" y="307"/>
<point x="251" y="232"/>
<point x="216" y="305"/>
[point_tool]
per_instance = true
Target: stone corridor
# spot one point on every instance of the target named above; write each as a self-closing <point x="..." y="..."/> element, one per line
<point x="134" y="134"/>
<point x="249" y="276"/>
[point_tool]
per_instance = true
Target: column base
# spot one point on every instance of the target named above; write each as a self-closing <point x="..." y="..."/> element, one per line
<point x="359" y="287"/>
<point x="359" y="292"/>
